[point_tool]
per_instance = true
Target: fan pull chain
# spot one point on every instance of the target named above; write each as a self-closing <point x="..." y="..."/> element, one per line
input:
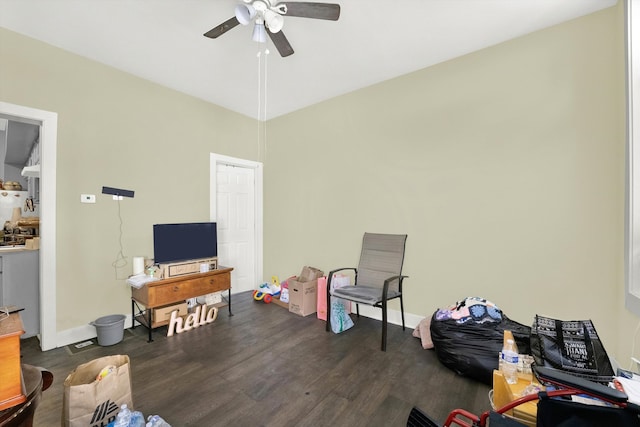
<point x="259" y="56"/>
<point x="264" y="116"/>
<point x="262" y="106"/>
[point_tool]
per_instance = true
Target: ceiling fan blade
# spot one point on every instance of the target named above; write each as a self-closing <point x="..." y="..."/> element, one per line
<point x="303" y="9"/>
<point x="222" y="28"/>
<point x="281" y="43"/>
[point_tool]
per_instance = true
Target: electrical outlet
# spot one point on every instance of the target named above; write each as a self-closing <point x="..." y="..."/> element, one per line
<point x="88" y="198"/>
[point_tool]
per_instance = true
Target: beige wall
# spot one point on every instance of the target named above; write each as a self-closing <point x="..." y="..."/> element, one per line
<point x="505" y="168"/>
<point x="119" y="131"/>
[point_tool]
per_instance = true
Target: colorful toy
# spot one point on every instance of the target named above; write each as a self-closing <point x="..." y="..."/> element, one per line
<point x="266" y="292"/>
<point x="261" y="296"/>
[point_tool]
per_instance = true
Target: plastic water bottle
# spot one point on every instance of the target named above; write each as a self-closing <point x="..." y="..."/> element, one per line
<point x="509" y="364"/>
<point x="156" y="421"/>
<point x="137" y="419"/>
<point x="123" y="418"/>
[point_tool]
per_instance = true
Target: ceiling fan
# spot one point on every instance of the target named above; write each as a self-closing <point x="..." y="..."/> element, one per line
<point x="268" y="18"/>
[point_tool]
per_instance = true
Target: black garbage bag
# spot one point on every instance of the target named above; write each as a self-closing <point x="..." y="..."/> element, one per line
<point x="471" y="347"/>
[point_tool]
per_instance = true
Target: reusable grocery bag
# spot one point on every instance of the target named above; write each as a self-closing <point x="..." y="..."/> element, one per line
<point x="572" y="346"/>
<point x="340" y="320"/>
<point x="95" y="391"/>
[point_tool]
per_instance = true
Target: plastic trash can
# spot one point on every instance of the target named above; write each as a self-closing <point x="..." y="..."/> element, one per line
<point x="110" y="329"/>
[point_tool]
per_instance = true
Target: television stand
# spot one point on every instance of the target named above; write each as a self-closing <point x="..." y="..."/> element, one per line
<point x="174" y="290"/>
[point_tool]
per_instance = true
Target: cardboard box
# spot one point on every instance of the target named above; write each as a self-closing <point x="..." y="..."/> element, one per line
<point x="212" y="298"/>
<point x="503" y="393"/>
<point x="176" y="269"/>
<point x="303" y="290"/>
<point x="164" y="313"/>
<point x="309" y="273"/>
<point x="303" y="299"/>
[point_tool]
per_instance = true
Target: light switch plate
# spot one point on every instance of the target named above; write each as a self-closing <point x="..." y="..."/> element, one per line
<point x="88" y="198"/>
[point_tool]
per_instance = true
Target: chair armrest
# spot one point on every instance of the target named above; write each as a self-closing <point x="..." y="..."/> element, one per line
<point x="332" y="272"/>
<point x="385" y="287"/>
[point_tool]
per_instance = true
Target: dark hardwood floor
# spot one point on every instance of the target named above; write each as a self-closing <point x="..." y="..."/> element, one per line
<point x="267" y="367"/>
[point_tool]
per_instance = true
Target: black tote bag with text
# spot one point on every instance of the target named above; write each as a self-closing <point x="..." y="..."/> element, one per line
<point x="571" y="346"/>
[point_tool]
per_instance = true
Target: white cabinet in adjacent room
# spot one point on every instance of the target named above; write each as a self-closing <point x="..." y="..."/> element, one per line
<point x="20" y="286"/>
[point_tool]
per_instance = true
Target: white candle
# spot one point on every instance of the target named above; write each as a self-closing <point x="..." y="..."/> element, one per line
<point x="138" y="265"/>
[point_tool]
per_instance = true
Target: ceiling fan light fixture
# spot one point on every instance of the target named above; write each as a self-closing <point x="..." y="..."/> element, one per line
<point x="268" y="15"/>
<point x="273" y="21"/>
<point x="259" y="33"/>
<point x="245" y="13"/>
<point x="261" y="5"/>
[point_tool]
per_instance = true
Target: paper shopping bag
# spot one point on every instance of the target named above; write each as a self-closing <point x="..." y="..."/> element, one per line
<point x="321" y="308"/>
<point x="89" y="401"/>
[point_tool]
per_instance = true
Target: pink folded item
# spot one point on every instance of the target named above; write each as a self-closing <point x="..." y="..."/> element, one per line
<point x="423" y="331"/>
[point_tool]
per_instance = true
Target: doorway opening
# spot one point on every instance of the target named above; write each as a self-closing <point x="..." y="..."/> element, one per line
<point x="48" y="122"/>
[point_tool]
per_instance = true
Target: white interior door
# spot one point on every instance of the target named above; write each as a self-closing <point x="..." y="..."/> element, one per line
<point x="237" y="215"/>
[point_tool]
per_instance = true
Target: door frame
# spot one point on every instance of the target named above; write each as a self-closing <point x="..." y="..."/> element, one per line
<point x="219" y="159"/>
<point x="48" y="148"/>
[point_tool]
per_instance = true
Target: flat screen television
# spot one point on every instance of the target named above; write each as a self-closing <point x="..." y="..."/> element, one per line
<point x="184" y="241"/>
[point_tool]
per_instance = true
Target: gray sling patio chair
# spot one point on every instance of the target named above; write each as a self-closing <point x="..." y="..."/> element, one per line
<point x="378" y="277"/>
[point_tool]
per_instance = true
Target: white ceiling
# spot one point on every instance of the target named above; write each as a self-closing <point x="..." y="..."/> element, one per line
<point x="373" y="41"/>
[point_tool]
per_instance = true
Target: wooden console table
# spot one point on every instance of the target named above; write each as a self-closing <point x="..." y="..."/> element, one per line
<point x="161" y="293"/>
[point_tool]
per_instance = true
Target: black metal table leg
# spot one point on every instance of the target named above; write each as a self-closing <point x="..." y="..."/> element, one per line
<point x="149" y="323"/>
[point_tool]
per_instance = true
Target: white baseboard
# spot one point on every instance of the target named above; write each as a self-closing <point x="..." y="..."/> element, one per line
<point x="82" y="333"/>
<point x="88" y="331"/>
<point x="394" y="316"/>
